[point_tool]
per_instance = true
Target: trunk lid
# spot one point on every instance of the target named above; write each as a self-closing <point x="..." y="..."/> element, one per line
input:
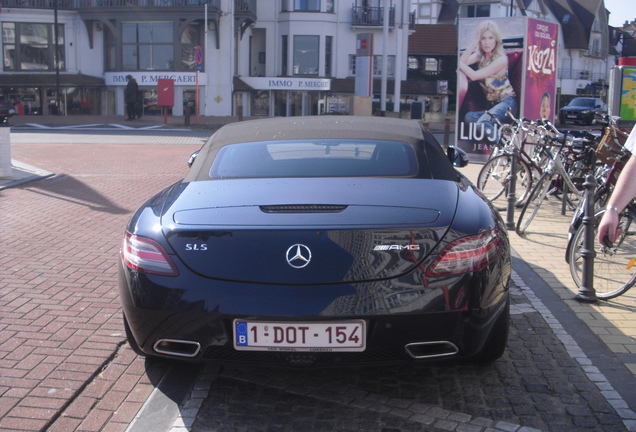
<point x="308" y="231"/>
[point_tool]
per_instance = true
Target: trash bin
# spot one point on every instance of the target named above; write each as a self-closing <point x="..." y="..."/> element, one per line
<point x="416" y="111"/>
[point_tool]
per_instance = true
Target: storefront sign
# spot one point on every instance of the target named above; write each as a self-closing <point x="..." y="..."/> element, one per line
<point x="285" y="83"/>
<point x="152" y="78"/>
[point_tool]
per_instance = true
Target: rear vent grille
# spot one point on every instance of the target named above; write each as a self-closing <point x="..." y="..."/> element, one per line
<point x="304" y="208"/>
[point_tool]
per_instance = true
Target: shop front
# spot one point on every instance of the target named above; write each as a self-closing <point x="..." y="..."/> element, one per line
<point x="286" y="96"/>
<point x="46" y="94"/>
<point x="185" y="84"/>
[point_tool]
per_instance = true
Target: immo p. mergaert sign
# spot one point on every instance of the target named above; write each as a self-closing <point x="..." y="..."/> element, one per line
<point x="287" y="83"/>
<point x="151" y="79"/>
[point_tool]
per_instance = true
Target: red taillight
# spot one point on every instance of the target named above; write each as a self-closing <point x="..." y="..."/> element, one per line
<point x="146" y="256"/>
<point x="466" y="254"/>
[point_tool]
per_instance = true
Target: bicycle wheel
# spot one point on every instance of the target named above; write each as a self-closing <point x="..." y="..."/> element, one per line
<point x="614" y="269"/>
<point x="494" y="178"/>
<point x="531" y="207"/>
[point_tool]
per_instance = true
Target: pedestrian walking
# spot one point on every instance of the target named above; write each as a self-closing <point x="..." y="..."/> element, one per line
<point x="130" y="97"/>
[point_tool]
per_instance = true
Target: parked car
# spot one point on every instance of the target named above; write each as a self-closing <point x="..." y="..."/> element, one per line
<point x="6" y="110"/>
<point x="318" y="241"/>
<point x="582" y="110"/>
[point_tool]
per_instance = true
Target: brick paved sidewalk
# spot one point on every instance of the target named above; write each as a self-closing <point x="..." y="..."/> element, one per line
<point x="64" y="364"/>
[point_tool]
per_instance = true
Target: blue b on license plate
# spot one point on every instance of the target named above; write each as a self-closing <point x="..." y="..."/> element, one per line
<point x="299" y="336"/>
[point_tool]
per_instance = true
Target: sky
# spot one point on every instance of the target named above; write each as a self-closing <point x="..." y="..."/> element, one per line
<point x="621" y="11"/>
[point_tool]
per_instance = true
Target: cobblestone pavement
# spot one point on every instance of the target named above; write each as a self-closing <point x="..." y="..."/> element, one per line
<point x="65" y="366"/>
<point x="543" y="382"/>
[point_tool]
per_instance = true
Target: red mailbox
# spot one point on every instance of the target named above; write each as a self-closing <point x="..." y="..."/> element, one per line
<point x="165" y="92"/>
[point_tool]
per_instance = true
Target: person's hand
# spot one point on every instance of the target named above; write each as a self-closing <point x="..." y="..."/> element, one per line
<point x="608" y="227"/>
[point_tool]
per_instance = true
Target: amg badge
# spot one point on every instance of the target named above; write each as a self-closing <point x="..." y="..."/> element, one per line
<point x="396" y="247"/>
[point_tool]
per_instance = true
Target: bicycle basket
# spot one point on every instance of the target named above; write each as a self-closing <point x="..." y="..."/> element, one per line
<point x="609" y="150"/>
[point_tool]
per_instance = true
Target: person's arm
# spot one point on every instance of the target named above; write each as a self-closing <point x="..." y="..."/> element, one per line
<point x="498" y="66"/>
<point x="470" y="55"/>
<point x="624" y="192"/>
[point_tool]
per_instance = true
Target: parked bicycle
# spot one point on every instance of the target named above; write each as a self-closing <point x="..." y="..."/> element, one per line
<point x="570" y="159"/>
<point x="614" y="271"/>
<point x="611" y="158"/>
<point x="494" y="177"/>
<point x="614" y="265"/>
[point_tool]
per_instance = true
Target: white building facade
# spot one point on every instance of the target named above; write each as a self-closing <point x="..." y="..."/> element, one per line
<point x="225" y="57"/>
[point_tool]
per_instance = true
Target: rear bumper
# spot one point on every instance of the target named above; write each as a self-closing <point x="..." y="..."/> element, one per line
<point x="202" y="336"/>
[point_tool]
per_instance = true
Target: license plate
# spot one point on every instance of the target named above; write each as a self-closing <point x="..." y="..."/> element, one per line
<point x="299" y="336"/>
<point x="572" y="116"/>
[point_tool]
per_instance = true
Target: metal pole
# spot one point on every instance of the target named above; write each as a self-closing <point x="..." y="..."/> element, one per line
<point x="56" y="57"/>
<point x="586" y="292"/>
<point x="205" y="61"/>
<point x="564" y="199"/>
<point x="385" y="41"/>
<point x="446" y="132"/>
<point x="6" y="167"/>
<point x="512" y="189"/>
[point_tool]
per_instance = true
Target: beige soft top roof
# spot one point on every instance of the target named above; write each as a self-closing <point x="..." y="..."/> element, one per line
<point x="310" y="127"/>
<point x="342" y="127"/>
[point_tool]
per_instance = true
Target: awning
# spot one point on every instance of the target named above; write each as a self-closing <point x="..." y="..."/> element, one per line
<point x="49" y="80"/>
<point x="240" y="85"/>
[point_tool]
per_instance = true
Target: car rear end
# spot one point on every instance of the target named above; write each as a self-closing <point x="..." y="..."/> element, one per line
<point x="312" y="269"/>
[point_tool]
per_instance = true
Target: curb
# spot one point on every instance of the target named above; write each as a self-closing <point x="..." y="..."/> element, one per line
<point x="23" y="173"/>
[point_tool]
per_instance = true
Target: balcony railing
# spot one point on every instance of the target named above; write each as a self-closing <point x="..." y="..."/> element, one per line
<point x="82" y="4"/>
<point x="371" y="16"/>
<point x="246" y="6"/>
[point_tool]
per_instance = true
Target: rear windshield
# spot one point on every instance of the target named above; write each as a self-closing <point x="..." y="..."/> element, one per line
<point x="319" y="158"/>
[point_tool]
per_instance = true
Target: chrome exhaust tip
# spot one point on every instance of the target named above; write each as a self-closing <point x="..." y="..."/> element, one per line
<point x="429" y="350"/>
<point x="175" y="347"/>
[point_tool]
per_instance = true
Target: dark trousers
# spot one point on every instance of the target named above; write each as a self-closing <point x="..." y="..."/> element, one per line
<point x="130" y="110"/>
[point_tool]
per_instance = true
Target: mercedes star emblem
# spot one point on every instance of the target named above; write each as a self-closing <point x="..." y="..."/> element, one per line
<point x="298" y="256"/>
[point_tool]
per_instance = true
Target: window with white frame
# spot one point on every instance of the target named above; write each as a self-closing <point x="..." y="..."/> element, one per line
<point x="431" y="65"/>
<point x="307" y="5"/>
<point x="147" y="46"/>
<point x="377" y="65"/>
<point x="31" y="46"/>
<point x="306" y="55"/>
<point x="424" y="11"/>
<point x="472" y="11"/>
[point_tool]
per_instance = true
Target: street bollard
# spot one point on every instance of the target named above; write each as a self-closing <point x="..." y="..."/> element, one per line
<point x="446" y="131"/>
<point x="586" y="292"/>
<point x="6" y="168"/>
<point x="512" y="189"/>
<point x="564" y="199"/>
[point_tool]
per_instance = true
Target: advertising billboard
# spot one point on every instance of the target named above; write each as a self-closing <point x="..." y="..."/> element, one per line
<point x="503" y="63"/>
<point x="541" y="68"/>
<point x="628" y="94"/>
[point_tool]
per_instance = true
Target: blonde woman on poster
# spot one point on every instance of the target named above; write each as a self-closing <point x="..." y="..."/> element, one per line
<point x="487" y="52"/>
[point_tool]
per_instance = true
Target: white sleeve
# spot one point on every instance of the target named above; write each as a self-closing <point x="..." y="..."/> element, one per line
<point x="630" y="144"/>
